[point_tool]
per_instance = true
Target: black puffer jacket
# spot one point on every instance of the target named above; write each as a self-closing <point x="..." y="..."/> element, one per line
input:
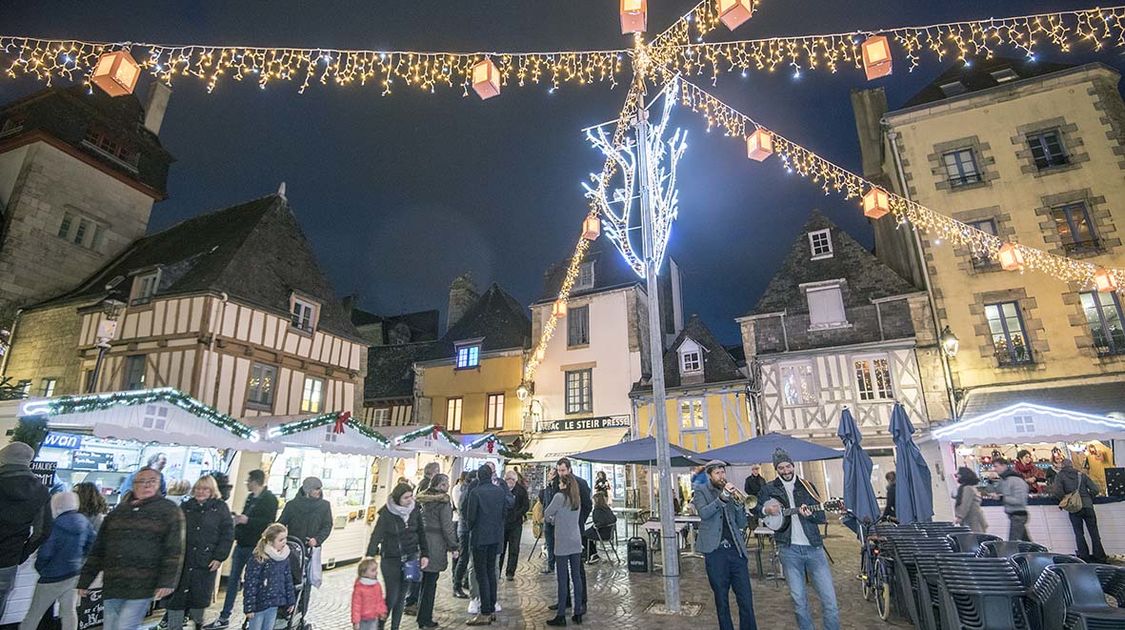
<point x="394" y="538"/>
<point x="25" y="516"/>
<point x="518" y="513"/>
<point x="209" y="532"/>
<point x="307" y="518"/>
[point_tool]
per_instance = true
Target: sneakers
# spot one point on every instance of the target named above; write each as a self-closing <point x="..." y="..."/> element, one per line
<point x="480" y="620"/>
<point x="593" y="560"/>
<point x="496" y="606"/>
<point x="218" y="624"/>
<point x="474" y="606"/>
<point x="460" y="593"/>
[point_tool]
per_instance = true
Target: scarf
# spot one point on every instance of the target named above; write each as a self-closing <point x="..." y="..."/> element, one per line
<point x="366" y="581"/>
<point x="274" y="554"/>
<point x="401" y="511"/>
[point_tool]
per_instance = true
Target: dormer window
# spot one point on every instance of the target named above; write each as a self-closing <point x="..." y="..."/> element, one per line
<point x="953" y="88"/>
<point x="820" y="244"/>
<point x="112" y="147"/>
<point x="304" y="313"/>
<point x="467" y="356"/>
<point x="1003" y="75"/>
<point x="144" y="287"/>
<point x="691" y="357"/>
<point x="585" y="279"/>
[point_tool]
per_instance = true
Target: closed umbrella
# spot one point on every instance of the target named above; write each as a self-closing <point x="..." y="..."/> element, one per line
<point x="859" y="496"/>
<point x="914" y="496"/>
<point x="760" y="449"/>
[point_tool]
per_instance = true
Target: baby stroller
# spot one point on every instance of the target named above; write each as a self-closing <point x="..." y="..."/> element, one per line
<point x="299" y="556"/>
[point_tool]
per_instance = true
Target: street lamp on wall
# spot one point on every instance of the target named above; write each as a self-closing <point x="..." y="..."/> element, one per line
<point x="949" y="342"/>
<point x="107" y="330"/>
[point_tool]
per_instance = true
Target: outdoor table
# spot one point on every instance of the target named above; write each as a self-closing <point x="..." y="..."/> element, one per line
<point x="762" y="534"/>
<point x="629" y="515"/>
<point x="652" y="528"/>
<point x="693" y="533"/>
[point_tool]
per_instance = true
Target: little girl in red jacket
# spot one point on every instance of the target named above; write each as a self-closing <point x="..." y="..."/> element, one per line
<point x="368" y="605"/>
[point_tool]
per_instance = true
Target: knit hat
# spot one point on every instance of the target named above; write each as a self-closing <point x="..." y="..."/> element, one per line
<point x="713" y="464"/>
<point x="63" y="502"/>
<point x="16" y="454"/>
<point x="400" y="490"/>
<point x="484" y="473"/>
<point x="780" y="456"/>
<point x="310" y="484"/>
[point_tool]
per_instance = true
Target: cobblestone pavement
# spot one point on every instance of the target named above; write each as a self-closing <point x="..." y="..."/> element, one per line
<point x="617" y="598"/>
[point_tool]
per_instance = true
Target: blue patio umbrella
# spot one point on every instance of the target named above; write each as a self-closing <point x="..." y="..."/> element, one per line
<point x="642" y="451"/>
<point x="914" y="496"/>
<point x="760" y="449"/>
<point x="859" y="496"/>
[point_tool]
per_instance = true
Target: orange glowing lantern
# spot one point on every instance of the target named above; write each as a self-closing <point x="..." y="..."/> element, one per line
<point x="486" y="79"/>
<point x="876" y="203"/>
<point x="734" y="12"/>
<point x="876" y="57"/>
<point x="116" y="73"/>
<point x="634" y="16"/>
<point x="1011" y="258"/>
<point x="559" y="309"/>
<point x="759" y="145"/>
<point x="539" y="354"/>
<point x="1104" y="280"/>
<point x="591" y="228"/>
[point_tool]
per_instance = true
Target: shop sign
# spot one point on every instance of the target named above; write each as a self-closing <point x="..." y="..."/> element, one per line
<point x="579" y="424"/>
<point x="45" y="471"/>
<point x="63" y="440"/>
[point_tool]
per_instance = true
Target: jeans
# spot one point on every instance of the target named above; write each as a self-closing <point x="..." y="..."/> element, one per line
<point x="176" y="618"/>
<point x="461" y="567"/>
<point x="238" y="559"/>
<point x="412" y="592"/>
<point x="45" y="596"/>
<point x="727" y="570"/>
<point x="511" y="548"/>
<point x="1090" y="518"/>
<point x="125" y="614"/>
<point x="1017" y="526"/>
<point x="263" y="620"/>
<point x="799" y="561"/>
<point x="484" y="564"/>
<point x="394" y="585"/>
<point x="7" y="583"/>
<point x="570" y="574"/>
<point x="549" y="543"/>
<point x="426" y="599"/>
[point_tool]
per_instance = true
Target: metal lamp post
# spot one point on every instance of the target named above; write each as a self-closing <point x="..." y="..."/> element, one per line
<point x="107" y="329"/>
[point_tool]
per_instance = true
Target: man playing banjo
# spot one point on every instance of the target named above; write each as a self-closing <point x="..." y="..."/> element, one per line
<point x="799" y="543"/>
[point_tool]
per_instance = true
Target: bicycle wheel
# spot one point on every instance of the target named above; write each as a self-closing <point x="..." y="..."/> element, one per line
<point x="882" y="590"/>
<point x="865" y="574"/>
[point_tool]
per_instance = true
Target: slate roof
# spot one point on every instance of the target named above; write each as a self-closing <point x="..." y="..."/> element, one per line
<point x="423" y="325"/>
<point x="255" y="252"/>
<point x="497" y="317"/>
<point x="978" y="76"/>
<point x="610" y="271"/>
<point x="68" y="113"/>
<point x="867" y="277"/>
<point x="390" y="369"/>
<point x="1098" y="398"/>
<point x="718" y="364"/>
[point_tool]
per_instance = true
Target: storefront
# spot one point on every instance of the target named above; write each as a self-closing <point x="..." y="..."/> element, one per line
<point x="1087" y="440"/>
<point x="555" y="439"/>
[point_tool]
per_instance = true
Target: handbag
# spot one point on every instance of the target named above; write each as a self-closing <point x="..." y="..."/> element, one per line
<point x="1072" y="501"/>
<point x="412" y="570"/>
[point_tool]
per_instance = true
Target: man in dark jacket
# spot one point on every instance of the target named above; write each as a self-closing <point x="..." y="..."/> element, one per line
<point x="259" y="510"/>
<point x="486" y="512"/>
<point x="140" y="549"/>
<point x="1069" y="480"/>
<point x="566" y="473"/>
<point x="461" y="567"/>
<point x="513" y="526"/>
<point x="25" y="514"/>
<point x="308" y="516"/>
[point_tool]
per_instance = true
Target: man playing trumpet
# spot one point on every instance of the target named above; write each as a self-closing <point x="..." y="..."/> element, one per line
<point x="722" y="518"/>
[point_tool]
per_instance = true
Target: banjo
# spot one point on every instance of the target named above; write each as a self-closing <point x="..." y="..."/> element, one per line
<point x="780" y="521"/>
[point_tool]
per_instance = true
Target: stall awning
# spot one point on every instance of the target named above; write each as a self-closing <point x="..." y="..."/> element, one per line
<point x="165" y="415"/>
<point x="550" y="447"/>
<point x="1026" y="423"/>
<point x="334" y="432"/>
<point x="1100" y="399"/>
<point x="429" y="439"/>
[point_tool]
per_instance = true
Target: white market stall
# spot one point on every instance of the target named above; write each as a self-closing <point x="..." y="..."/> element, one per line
<point x="1039" y="429"/>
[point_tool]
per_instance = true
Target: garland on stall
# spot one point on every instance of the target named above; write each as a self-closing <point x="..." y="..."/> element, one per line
<point x="433" y="432"/>
<point x="341" y="419"/>
<point x="100" y="402"/>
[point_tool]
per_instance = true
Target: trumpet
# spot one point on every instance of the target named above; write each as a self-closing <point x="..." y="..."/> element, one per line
<point x="748" y="502"/>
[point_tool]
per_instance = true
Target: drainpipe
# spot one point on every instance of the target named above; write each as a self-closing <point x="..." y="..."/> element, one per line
<point x="11" y="342"/>
<point x="947" y="370"/>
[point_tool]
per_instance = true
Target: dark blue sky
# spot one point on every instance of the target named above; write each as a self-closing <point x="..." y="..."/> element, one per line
<point x="399" y="194"/>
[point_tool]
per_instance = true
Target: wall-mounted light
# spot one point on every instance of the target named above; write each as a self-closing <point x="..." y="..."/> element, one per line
<point x="949" y="342"/>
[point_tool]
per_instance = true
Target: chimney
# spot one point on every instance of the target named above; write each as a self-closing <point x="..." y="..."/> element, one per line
<point x="869" y="106"/>
<point x="462" y="295"/>
<point x="158" y="95"/>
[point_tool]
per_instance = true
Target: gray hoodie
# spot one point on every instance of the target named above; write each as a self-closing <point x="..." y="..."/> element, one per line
<point x="1014" y="490"/>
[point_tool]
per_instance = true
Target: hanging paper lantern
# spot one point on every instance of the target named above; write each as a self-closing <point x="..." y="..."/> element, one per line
<point x="876" y="203"/>
<point x="876" y="57"/>
<point x="559" y="309"/>
<point x="634" y="16"/>
<point x="759" y="145"/>
<point x="116" y="73"/>
<point x="591" y="228"/>
<point x="486" y="79"/>
<point x="539" y="354"/>
<point x="1011" y="258"/>
<point x="1104" y="280"/>
<point x="734" y="12"/>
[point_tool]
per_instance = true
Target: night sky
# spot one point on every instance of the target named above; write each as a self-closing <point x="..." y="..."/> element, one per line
<point x="399" y="194"/>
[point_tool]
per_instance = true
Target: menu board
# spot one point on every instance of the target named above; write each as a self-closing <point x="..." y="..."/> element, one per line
<point x="91" y="460"/>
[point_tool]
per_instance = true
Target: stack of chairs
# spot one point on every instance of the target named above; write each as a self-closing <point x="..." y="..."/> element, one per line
<point x="1006" y="548"/>
<point x="1082" y="590"/>
<point x="915" y="561"/>
<point x="1046" y="604"/>
<point x="982" y="593"/>
<point x="969" y="541"/>
<point x="890" y="538"/>
<point x="939" y="529"/>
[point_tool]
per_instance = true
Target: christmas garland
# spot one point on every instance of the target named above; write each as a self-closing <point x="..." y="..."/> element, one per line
<point x="342" y="419"/>
<point x="433" y="431"/>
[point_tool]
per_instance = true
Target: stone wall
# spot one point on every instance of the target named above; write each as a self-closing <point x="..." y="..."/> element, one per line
<point x="45" y="345"/>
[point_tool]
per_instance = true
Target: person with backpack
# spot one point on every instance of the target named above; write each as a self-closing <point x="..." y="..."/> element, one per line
<point x="1069" y="481"/>
<point x="269" y="580"/>
<point x="59" y="563"/>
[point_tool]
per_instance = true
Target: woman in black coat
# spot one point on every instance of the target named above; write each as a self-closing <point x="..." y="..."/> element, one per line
<point x="397" y="539"/>
<point x="209" y="534"/>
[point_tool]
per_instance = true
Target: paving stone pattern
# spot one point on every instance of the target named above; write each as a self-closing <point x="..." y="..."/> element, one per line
<point x="618" y="598"/>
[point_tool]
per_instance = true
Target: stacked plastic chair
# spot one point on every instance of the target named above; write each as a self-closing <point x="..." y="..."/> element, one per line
<point x="1006" y="548"/>
<point x="1046" y="603"/>
<point x="919" y="561"/>
<point x="981" y="593"/>
<point x="969" y="541"/>
<point x="889" y="540"/>
<point x="1084" y="588"/>
<point x="938" y="529"/>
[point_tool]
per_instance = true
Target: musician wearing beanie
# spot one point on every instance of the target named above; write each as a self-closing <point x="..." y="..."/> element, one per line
<point x="799" y="543"/>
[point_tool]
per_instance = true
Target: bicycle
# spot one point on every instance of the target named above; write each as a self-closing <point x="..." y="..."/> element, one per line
<point x="876" y="571"/>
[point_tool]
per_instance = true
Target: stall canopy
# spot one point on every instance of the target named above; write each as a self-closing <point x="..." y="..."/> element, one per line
<point x="760" y="449"/>
<point x="642" y="451"/>
<point x="334" y="432"/>
<point x="486" y="445"/>
<point x="163" y="415"/>
<point x="1027" y="422"/>
<point x="429" y="439"/>
<point x="553" y="446"/>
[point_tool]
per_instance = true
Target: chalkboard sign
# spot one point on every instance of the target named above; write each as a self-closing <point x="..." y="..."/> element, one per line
<point x="89" y="460"/>
<point x="45" y="471"/>
<point x="90" y="609"/>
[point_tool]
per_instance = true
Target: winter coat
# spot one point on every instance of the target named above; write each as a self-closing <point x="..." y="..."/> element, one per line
<point x="61" y="555"/>
<point x="801" y="496"/>
<point x="1070" y="479"/>
<point x="604" y="522"/>
<point x="714" y="513"/>
<point x="968" y="511"/>
<point x="260" y="511"/>
<point x="25" y="514"/>
<point x="518" y="513"/>
<point x="1014" y="491"/>
<point x="140" y="549"/>
<point x="393" y="538"/>
<point x="368" y="602"/>
<point x="307" y="518"/>
<point x="753" y="485"/>
<point x="209" y="534"/>
<point x="485" y="513"/>
<point x="268" y="584"/>
<point x="567" y="530"/>
<point x="437" y="525"/>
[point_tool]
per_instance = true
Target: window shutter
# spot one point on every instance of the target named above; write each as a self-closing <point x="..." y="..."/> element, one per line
<point x="826" y="306"/>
